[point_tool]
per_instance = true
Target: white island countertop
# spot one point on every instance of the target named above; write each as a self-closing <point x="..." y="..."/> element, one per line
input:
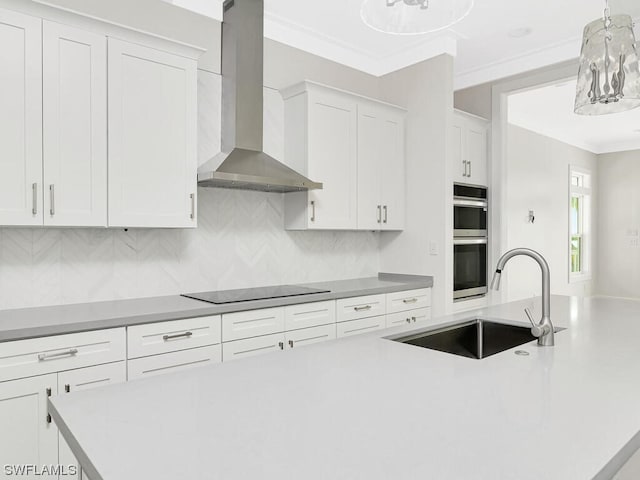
<point x="370" y="408"/>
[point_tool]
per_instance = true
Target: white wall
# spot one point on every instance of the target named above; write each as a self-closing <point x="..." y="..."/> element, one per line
<point x="619" y="225"/>
<point x="426" y="89"/>
<point x="537" y="179"/>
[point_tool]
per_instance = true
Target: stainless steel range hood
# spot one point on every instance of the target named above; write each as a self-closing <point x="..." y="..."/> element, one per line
<point x="242" y="164"/>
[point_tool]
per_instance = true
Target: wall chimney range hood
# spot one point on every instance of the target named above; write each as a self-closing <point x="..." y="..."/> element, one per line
<point x="242" y="164"/>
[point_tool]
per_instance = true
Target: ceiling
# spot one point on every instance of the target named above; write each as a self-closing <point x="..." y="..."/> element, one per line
<point x="549" y="111"/>
<point x="484" y="49"/>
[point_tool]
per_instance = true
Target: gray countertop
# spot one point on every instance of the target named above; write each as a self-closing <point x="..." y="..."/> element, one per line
<point x="25" y="323"/>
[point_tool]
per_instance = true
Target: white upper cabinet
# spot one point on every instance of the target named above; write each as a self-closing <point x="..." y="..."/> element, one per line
<point x="152" y="137"/>
<point x="381" y="170"/>
<point x="469" y="147"/>
<point x="20" y="119"/>
<point x="321" y="143"/>
<point x="75" y="126"/>
<point x="355" y="147"/>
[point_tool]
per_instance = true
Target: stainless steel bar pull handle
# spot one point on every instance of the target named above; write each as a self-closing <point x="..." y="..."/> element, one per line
<point x="469" y="163"/>
<point x="52" y="199"/>
<point x="379" y="213"/>
<point x="281" y="345"/>
<point x="362" y="309"/>
<point x="34" y="191"/>
<point x="291" y="343"/>
<point x="313" y="211"/>
<point x="67" y="388"/>
<point x="48" y="356"/>
<point x="385" y="214"/>
<point x="193" y="206"/>
<point x="177" y="335"/>
<point x="414" y="319"/>
<point x="408" y="320"/>
<point x="410" y="300"/>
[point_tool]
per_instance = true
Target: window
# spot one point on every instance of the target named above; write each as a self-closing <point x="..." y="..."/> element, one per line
<point x="579" y="223"/>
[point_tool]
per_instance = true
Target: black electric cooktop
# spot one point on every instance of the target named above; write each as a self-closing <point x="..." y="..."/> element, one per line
<point x="249" y="294"/>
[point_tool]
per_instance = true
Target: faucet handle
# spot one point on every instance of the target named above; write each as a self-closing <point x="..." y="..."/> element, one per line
<point x="536" y="330"/>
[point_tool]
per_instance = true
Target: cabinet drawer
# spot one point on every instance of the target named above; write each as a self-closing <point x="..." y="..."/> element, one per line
<point x="165" y="337"/>
<point x="419" y="317"/>
<point x="309" y="315"/>
<point x="174" y="361"/>
<point x="363" y="325"/>
<point x="91" y="377"/>
<point x="252" y="346"/>
<point x="308" y="336"/>
<point x="236" y="326"/>
<point x="360" y="307"/>
<point x="38" y="356"/>
<point x="409" y="300"/>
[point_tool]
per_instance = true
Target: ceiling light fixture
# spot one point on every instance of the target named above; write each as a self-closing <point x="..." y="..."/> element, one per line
<point x="609" y="75"/>
<point x="413" y="17"/>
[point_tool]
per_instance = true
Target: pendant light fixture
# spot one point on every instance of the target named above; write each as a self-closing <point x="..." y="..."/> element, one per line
<point x="413" y="17"/>
<point x="609" y="75"/>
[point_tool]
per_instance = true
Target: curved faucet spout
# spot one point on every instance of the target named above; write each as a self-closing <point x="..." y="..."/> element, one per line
<point x="544" y="330"/>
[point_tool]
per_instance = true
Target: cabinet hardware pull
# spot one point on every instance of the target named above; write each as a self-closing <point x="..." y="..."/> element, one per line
<point x="469" y="162"/>
<point x="47" y="356"/>
<point x="67" y="388"/>
<point x="385" y="214"/>
<point x="48" y="418"/>
<point x="414" y="319"/>
<point x="34" y="207"/>
<point x="362" y="309"/>
<point x="464" y="165"/>
<point x="281" y="345"/>
<point x="193" y="206"/>
<point x="52" y="198"/>
<point x="178" y="335"/>
<point x="410" y="300"/>
<point x="291" y="343"/>
<point x="48" y="392"/>
<point x="408" y="320"/>
<point x="313" y="210"/>
<point x="379" y="213"/>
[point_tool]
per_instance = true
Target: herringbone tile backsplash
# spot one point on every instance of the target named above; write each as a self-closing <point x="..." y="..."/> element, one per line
<point x="240" y="242"/>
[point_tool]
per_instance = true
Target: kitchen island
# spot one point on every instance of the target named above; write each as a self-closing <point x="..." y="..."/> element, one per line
<point x="370" y="408"/>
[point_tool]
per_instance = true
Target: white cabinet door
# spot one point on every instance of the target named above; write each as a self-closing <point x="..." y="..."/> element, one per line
<point x="477" y="152"/>
<point x="84" y="379"/>
<point x="20" y="119"/>
<point x="392" y="170"/>
<point x="370" y="161"/>
<point x="152" y="137"/>
<point x="174" y="361"/>
<point x="308" y="336"/>
<point x="252" y="346"/>
<point x="333" y="161"/>
<point x="75" y="126"/>
<point x="469" y="149"/>
<point x="28" y="437"/>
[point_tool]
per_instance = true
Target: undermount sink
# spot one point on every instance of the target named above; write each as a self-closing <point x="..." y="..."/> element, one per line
<point x="474" y="338"/>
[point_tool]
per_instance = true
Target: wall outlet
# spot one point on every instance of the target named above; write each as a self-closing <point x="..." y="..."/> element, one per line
<point x="433" y="248"/>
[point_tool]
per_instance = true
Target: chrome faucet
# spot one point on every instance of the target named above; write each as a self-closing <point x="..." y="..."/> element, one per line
<point x="544" y="330"/>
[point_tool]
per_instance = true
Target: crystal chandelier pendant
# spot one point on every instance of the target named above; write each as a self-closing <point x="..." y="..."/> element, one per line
<point x="413" y="17"/>
<point x="609" y="75"/>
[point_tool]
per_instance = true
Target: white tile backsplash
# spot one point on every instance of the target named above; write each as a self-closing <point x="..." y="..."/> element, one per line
<point x="240" y="242"/>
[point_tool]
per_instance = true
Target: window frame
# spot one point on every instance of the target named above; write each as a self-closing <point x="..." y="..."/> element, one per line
<point x="584" y="193"/>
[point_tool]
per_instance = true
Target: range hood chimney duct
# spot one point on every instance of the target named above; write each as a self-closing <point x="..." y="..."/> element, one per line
<point x="242" y="164"/>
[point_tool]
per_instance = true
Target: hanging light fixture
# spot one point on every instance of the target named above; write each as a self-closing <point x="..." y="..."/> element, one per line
<point x="609" y="75"/>
<point x="413" y="17"/>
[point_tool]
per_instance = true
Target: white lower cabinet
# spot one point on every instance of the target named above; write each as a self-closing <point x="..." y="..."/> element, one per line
<point x="28" y="437"/>
<point x="85" y="379"/>
<point x="418" y="317"/>
<point x="308" y="336"/>
<point x="362" y="325"/>
<point x="252" y="323"/>
<point x="249" y="347"/>
<point x="174" y="361"/>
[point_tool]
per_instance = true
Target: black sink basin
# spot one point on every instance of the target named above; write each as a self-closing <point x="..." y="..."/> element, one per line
<point x="474" y="338"/>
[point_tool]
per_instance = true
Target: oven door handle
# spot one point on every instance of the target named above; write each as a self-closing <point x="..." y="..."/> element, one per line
<point x="469" y="241"/>
<point x="461" y="202"/>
